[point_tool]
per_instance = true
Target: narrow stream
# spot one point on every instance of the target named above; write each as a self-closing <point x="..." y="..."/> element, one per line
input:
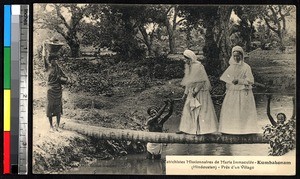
<point x="137" y="164"/>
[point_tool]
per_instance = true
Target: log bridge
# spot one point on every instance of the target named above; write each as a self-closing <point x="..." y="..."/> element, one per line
<point x="103" y="133"/>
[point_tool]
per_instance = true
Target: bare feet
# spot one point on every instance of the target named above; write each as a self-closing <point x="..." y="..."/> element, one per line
<point x="58" y="129"/>
<point x="51" y="130"/>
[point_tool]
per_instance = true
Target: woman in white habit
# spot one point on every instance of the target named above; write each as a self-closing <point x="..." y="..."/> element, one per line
<point x="238" y="113"/>
<point x="198" y="116"/>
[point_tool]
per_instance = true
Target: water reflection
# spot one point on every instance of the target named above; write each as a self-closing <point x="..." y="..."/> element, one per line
<point x="217" y="149"/>
<point x="131" y="164"/>
<point x="197" y="149"/>
<point x="155" y="167"/>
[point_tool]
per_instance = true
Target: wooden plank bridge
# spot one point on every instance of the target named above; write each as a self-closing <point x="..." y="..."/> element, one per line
<point x="103" y="133"/>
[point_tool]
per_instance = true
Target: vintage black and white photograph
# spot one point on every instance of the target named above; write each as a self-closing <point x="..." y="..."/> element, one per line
<point x="118" y="88"/>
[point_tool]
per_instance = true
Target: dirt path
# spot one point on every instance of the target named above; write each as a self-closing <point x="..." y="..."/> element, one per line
<point x="55" y="152"/>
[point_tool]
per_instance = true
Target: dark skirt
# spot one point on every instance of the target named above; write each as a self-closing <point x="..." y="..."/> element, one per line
<point x="54" y="101"/>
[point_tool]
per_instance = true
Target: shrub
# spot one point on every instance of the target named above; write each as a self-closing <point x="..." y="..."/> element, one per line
<point x="282" y="138"/>
<point x="282" y="48"/>
<point x="160" y="67"/>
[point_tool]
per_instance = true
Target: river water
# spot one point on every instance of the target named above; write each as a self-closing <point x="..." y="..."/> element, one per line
<point x="137" y="164"/>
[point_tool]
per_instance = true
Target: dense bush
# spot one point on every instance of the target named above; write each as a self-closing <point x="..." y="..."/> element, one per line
<point x="88" y="75"/>
<point x="282" y="138"/>
<point x="160" y="67"/>
<point x="100" y="75"/>
<point x="93" y="84"/>
<point x="282" y="48"/>
<point x="217" y="87"/>
<point x="110" y="74"/>
<point x="86" y="65"/>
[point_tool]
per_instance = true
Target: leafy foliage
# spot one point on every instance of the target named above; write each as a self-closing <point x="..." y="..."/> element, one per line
<point x="65" y="19"/>
<point x="160" y="67"/>
<point x="117" y="30"/>
<point x="214" y="19"/>
<point x="247" y="16"/>
<point x="87" y="76"/>
<point x="275" y="17"/>
<point x="282" y="138"/>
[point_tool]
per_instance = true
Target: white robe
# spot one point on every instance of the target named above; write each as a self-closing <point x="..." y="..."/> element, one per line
<point x="154" y="148"/>
<point x="198" y="115"/>
<point x="198" y="120"/>
<point x="238" y="113"/>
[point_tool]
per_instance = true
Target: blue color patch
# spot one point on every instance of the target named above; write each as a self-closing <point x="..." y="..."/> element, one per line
<point x="7" y="25"/>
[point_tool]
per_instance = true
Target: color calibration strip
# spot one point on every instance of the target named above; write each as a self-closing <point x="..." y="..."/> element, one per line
<point x="7" y="90"/>
<point x="16" y="53"/>
<point x="15" y="86"/>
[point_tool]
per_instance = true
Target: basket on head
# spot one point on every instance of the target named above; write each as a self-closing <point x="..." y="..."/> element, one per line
<point x="53" y="46"/>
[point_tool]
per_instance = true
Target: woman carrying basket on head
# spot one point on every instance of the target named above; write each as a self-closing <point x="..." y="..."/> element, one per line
<point x="55" y="79"/>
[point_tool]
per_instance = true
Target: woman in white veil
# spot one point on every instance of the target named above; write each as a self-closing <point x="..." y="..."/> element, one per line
<point x="238" y="113"/>
<point x="198" y="116"/>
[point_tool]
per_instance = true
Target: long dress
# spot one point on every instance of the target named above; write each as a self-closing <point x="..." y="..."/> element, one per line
<point x="54" y="91"/>
<point x="238" y="113"/>
<point x="198" y="116"/>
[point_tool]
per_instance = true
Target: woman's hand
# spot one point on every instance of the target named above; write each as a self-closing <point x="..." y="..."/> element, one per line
<point x="235" y="81"/>
<point x="63" y="80"/>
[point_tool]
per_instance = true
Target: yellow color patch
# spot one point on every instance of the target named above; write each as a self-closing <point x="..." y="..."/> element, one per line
<point x="6" y="106"/>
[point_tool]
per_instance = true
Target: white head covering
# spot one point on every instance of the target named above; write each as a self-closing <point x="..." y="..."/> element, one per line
<point x="194" y="72"/>
<point x="236" y="49"/>
<point x="191" y="55"/>
<point x="240" y="71"/>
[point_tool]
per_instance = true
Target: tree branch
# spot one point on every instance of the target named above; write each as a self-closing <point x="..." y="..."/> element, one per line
<point x="274" y="14"/>
<point x="78" y="18"/>
<point x="168" y="10"/>
<point x="141" y="39"/>
<point x="219" y="38"/>
<point x="61" y="32"/>
<point x="283" y="19"/>
<point x="272" y="28"/>
<point x="145" y="35"/>
<point x="174" y="18"/>
<point x="76" y="22"/>
<point x="180" y="21"/>
<point x="57" y="7"/>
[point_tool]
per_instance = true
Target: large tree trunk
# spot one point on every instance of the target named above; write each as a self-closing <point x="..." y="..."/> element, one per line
<point x="188" y="37"/>
<point x="249" y="39"/>
<point x="147" y="40"/>
<point x="74" y="44"/>
<point x="172" y="43"/>
<point x="171" y="37"/>
<point x="280" y="35"/>
<point x="224" y="41"/>
<point x="71" y="34"/>
<point x="121" y="134"/>
<point x="210" y="49"/>
<point x="171" y="28"/>
<point x="75" y="50"/>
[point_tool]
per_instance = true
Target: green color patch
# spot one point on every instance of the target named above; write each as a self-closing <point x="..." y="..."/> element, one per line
<point x="7" y="66"/>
